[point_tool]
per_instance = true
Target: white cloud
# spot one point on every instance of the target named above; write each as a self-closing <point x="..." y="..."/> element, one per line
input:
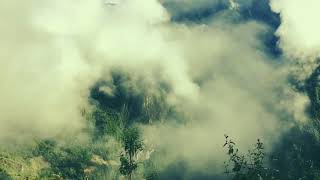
<point x="299" y="29"/>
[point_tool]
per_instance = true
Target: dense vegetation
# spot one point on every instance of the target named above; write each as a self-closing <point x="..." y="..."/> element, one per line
<point x="114" y="147"/>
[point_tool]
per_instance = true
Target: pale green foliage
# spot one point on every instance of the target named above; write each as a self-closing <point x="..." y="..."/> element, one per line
<point x="132" y="144"/>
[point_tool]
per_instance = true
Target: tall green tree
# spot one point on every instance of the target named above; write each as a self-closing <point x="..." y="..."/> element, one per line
<point x="132" y="144"/>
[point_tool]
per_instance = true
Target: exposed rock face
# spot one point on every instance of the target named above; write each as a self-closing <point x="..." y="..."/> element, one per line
<point x="99" y="161"/>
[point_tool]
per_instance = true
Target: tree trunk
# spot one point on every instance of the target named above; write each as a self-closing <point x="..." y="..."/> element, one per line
<point x="130" y="162"/>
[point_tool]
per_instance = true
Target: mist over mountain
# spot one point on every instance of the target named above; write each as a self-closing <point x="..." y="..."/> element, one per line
<point x="153" y="89"/>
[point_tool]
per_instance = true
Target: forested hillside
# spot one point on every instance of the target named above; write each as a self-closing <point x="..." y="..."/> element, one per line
<point x="159" y="90"/>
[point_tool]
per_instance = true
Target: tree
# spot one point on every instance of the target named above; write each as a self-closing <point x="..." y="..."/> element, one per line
<point x="132" y="144"/>
<point x="249" y="166"/>
<point x="68" y="162"/>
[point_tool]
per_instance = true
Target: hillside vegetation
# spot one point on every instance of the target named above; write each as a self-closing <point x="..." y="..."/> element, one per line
<point x="107" y="153"/>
